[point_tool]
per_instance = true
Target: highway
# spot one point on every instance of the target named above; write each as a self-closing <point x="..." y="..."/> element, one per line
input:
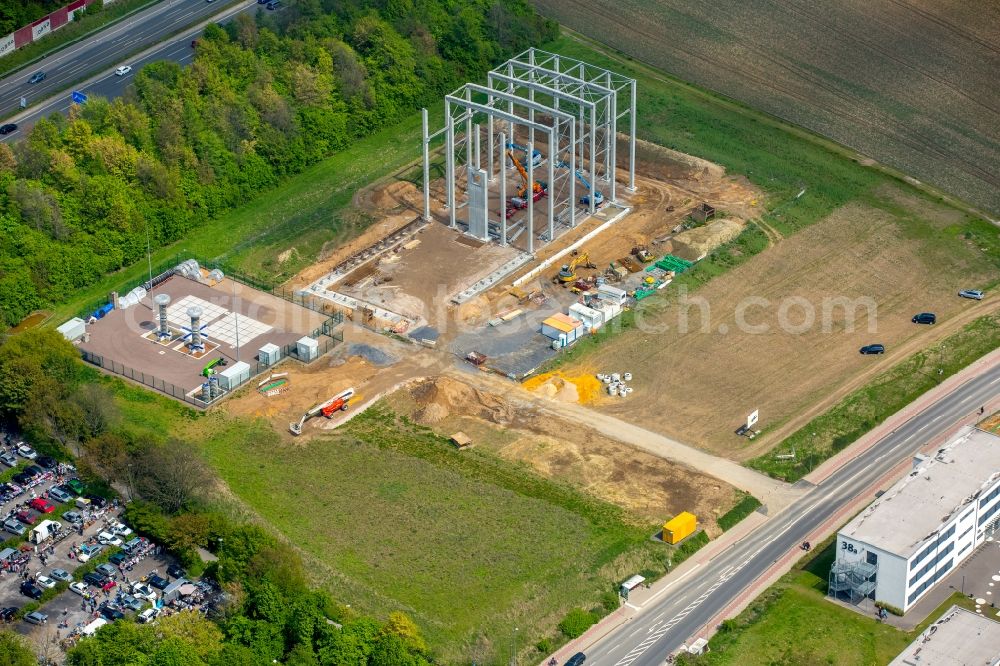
<point x="685" y="607"/>
<point x="104" y="51"/>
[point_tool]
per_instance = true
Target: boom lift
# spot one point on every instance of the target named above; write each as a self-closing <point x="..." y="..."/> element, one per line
<point x="585" y="199"/>
<point x="536" y="155"/>
<point x="338" y="403"/>
<point x="567" y="273"/>
<point x="538" y="187"/>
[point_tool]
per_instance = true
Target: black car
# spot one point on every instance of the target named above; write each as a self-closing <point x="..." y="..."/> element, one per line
<point x="175" y="570"/>
<point x="872" y="349"/>
<point x="924" y="318"/>
<point x="117" y="558"/>
<point x="158" y="582"/>
<point x="22" y="478"/>
<point x="273" y="5"/>
<point x="48" y="462"/>
<point x="34" y="470"/>
<point x="110" y="613"/>
<point x="8" y="614"/>
<point x="576" y="659"/>
<point x="95" y="579"/>
<point x="8" y="128"/>
<point x="97" y="501"/>
<point x="29" y="589"/>
<point x="37" y="77"/>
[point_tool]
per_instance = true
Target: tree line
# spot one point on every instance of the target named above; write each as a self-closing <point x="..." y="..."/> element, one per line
<point x="265" y="97"/>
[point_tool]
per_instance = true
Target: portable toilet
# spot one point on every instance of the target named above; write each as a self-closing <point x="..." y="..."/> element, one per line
<point x="234" y="375"/>
<point x="73" y="329"/>
<point x="679" y="527"/>
<point x="307" y="349"/>
<point x="269" y="354"/>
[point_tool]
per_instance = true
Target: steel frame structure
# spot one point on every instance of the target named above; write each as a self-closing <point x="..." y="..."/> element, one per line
<point x="576" y="107"/>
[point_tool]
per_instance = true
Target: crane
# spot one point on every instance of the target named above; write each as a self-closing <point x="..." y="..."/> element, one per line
<point x="567" y="273"/>
<point x="536" y="155"/>
<point x="335" y="404"/>
<point x="538" y="187"/>
<point x="585" y="199"/>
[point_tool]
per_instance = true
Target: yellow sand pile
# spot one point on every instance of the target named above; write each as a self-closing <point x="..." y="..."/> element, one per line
<point x="569" y="388"/>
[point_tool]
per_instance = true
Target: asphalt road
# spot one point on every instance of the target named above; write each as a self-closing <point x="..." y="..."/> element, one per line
<point x="666" y="624"/>
<point x="104" y="51"/>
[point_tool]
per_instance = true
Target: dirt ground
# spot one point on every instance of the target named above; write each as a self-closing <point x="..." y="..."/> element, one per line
<point x="698" y="386"/>
<point x="650" y="488"/>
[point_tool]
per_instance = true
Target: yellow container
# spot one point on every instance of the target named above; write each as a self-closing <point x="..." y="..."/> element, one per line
<point x="679" y="527"/>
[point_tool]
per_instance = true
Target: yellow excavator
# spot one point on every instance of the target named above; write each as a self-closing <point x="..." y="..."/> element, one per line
<point x="567" y="273"/>
<point x="538" y="188"/>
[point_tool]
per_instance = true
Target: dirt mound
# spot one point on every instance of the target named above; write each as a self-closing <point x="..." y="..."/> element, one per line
<point x="558" y="386"/>
<point x="696" y="243"/>
<point x="394" y="195"/>
<point x="443" y="396"/>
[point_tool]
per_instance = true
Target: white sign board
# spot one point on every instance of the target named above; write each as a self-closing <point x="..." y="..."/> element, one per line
<point x="42" y="29"/>
<point x="7" y="45"/>
<point x="752" y="419"/>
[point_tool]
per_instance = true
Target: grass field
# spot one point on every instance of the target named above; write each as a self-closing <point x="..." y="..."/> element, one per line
<point x="907" y="83"/>
<point x="885" y="395"/>
<point x="390" y="516"/>
<point x="792" y="624"/>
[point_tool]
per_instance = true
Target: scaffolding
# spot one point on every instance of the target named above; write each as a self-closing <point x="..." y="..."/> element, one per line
<point x="852" y="580"/>
<point x="565" y="110"/>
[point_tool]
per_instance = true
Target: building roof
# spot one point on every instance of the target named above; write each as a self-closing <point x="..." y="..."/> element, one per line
<point x="910" y="512"/>
<point x="959" y="638"/>
<point x="562" y="322"/>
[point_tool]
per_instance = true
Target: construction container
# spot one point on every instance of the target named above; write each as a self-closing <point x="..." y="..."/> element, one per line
<point x="592" y="319"/>
<point x="269" y="354"/>
<point x="307" y="349"/>
<point x="611" y="294"/>
<point x="563" y="329"/>
<point x="234" y="375"/>
<point x="73" y="330"/>
<point x="679" y="527"/>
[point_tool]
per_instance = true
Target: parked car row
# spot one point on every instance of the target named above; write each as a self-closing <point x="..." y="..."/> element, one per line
<point x="923" y="318"/>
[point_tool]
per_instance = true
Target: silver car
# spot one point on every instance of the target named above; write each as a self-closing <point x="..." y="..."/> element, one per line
<point x="36" y="617"/>
<point x="974" y="294"/>
<point x="8" y="458"/>
<point x="13" y="526"/>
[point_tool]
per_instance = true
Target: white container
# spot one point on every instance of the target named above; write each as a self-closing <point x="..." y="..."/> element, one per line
<point x="234" y="375"/>
<point x="269" y="354"/>
<point x="73" y="329"/>
<point x="307" y="349"/>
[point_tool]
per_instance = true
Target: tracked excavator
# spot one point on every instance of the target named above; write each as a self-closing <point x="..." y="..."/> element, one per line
<point x="567" y="273"/>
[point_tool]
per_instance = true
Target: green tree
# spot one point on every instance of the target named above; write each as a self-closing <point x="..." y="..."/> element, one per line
<point x="15" y="651"/>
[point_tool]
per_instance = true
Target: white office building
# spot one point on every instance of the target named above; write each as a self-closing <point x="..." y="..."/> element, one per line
<point x="924" y="526"/>
<point x="959" y="638"/>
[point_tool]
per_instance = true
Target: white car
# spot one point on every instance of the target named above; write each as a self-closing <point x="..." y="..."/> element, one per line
<point x="123" y="70"/>
<point x="80" y="588"/>
<point x="143" y="591"/>
<point x="108" y="539"/>
<point x="121" y="529"/>
<point x="45" y="581"/>
<point x="26" y="451"/>
<point x="148" y="615"/>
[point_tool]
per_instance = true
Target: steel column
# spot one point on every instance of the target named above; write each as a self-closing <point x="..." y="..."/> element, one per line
<point x="503" y="191"/>
<point x="631" y="141"/>
<point x="427" y="165"/>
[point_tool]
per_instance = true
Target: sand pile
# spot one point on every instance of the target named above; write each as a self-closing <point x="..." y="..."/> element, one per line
<point x="698" y="242"/>
<point x="443" y="396"/>
<point x="556" y="385"/>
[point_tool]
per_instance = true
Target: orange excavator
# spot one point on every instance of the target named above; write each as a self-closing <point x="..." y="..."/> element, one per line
<point x="538" y="188"/>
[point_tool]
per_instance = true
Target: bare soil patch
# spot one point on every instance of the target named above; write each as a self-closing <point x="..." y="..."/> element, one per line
<point x="698" y="386"/>
<point x="650" y="488"/>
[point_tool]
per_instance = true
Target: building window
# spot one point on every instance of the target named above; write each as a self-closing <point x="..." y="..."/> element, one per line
<point x="871" y="558"/>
